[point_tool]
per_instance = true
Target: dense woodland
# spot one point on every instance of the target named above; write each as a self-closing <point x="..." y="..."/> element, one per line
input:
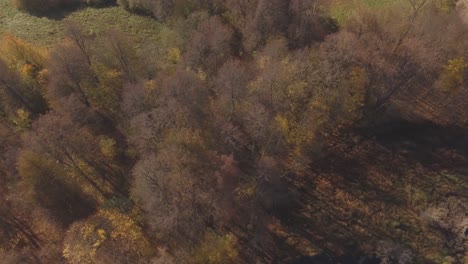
<point x="250" y="131"/>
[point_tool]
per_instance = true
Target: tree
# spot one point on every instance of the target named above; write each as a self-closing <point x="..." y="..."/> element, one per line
<point x="307" y="23"/>
<point x="106" y="237"/>
<point x="76" y="72"/>
<point x="231" y="86"/>
<point x="69" y="71"/>
<point x="50" y="189"/>
<point x="257" y="21"/>
<point x="80" y="39"/>
<point x="135" y="98"/>
<point x="104" y="95"/>
<point x="217" y="249"/>
<point x="210" y="45"/>
<point x="238" y="13"/>
<point x="24" y="76"/>
<point x="160" y="9"/>
<point x="186" y="94"/>
<point x="262" y="131"/>
<point x="452" y="77"/>
<point x="173" y="186"/>
<point x="180" y="101"/>
<point x="271" y="18"/>
<point x="285" y="88"/>
<point x="147" y="129"/>
<point x="73" y="146"/>
<point x="403" y="57"/>
<point x="119" y="54"/>
<point x="12" y="96"/>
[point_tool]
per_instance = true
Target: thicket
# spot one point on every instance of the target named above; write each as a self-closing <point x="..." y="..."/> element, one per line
<point x="128" y="157"/>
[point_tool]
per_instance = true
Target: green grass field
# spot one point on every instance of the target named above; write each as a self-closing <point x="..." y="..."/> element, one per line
<point x="43" y="31"/>
<point x="342" y="10"/>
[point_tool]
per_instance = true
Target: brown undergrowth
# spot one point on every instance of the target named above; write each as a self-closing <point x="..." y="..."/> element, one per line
<point x="375" y="188"/>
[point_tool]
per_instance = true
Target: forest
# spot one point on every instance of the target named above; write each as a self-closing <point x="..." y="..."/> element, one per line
<point x="233" y="131"/>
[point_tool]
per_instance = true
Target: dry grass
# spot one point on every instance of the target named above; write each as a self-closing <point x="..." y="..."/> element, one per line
<point x="45" y="32"/>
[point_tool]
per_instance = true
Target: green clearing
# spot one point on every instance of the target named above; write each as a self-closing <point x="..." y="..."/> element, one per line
<point x="342" y="10"/>
<point x="43" y="31"/>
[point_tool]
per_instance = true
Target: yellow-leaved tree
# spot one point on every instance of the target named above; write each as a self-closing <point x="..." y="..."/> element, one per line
<point x="27" y="63"/>
<point x="105" y="93"/>
<point x="216" y="249"/>
<point x="107" y="237"/>
<point x="453" y="75"/>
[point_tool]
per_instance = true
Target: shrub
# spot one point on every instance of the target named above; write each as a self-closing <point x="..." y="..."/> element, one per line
<point x="160" y="9"/>
<point x="390" y="252"/>
<point x="450" y="217"/>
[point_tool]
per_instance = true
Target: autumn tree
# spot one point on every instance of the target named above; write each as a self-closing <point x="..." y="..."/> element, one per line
<point x="404" y="57"/>
<point x="24" y="75"/>
<point x="285" y="91"/>
<point x="96" y="81"/>
<point x="270" y="19"/>
<point x="302" y="22"/>
<point x="176" y="195"/>
<point x="186" y="92"/>
<point x="135" y="98"/>
<point x="231" y="85"/>
<point x="104" y="95"/>
<point x="76" y="35"/>
<point x="452" y="78"/>
<point x="106" y="237"/>
<point x="217" y="249"/>
<point x="307" y="23"/>
<point x="50" y="189"/>
<point x="70" y="71"/>
<point x="160" y="9"/>
<point x="12" y="96"/>
<point x="118" y="54"/>
<point x="238" y="13"/>
<point x="210" y="45"/>
<point x="73" y="146"/>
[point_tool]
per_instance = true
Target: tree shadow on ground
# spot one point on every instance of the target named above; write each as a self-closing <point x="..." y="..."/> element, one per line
<point x="61" y="12"/>
<point x="355" y="196"/>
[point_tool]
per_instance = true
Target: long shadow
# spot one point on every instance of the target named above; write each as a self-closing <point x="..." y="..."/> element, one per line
<point x="353" y="174"/>
<point x="62" y="11"/>
<point x="421" y="139"/>
<point x="327" y="259"/>
<point x="339" y="236"/>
